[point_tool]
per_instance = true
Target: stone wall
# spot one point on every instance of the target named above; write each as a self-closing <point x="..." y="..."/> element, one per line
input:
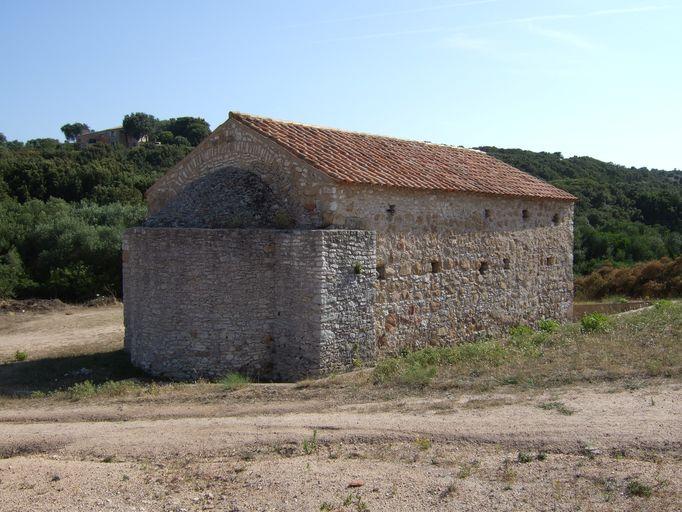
<point x="456" y="266"/>
<point x="205" y="302"/>
<point x="346" y="312"/>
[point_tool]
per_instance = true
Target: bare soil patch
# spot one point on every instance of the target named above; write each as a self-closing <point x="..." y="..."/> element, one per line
<point x="60" y="330"/>
<point x="292" y="454"/>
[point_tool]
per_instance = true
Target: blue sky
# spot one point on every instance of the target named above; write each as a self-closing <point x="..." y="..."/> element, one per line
<point x="600" y="77"/>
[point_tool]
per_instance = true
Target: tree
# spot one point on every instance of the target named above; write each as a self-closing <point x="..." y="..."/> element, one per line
<point x="72" y="130"/>
<point x="165" y="137"/>
<point x="194" y="129"/>
<point x="139" y="124"/>
<point x="181" y="141"/>
<point x="43" y="144"/>
<point x="3" y="139"/>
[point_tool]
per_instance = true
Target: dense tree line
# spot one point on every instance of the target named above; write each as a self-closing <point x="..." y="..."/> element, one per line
<point x="58" y="249"/>
<point x="623" y="215"/>
<point x="63" y="208"/>
<point x="184" y="131"/>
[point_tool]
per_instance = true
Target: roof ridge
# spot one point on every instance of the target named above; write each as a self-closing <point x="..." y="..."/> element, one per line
<point x="355" y="132"/>
<point x="365" y="158"/>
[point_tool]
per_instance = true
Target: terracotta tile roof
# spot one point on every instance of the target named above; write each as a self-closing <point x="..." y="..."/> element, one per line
<point x="361" y="158"/>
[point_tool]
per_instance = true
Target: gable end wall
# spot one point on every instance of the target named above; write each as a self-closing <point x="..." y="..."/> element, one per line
<point x="306" y="192"/>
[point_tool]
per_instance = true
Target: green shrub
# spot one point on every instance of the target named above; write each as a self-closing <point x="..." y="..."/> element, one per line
<point x="488" y="352"/>
<point x="524" y="457"/>
<point x="81" y="390"/>
<point x="110" y="388"/>
<point x="549" y="325"/>
<point x="637" y="488"/>
<point x="423" y="443"/>
<point x="417" y="375"/>
<point x="233" y="381"/>
<point x="663" y="304"/>
<point x="310" y="445"/>
<point x="595" y="322"/>
<point x="62" y="250"/>
<point x="12" y="273"/>
<point x="386" y="370"/>
<point x="418" y="368"/>
<point x="118" y="387"/>
<point x="530" y="345"/>
<point x="519" y="331"/>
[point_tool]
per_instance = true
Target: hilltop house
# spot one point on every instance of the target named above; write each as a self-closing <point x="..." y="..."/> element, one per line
<point x="281" y="250"/>
<point x="109" y="136"/>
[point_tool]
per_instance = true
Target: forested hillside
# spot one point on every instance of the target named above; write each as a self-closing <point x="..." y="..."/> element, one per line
<point x="63" y="208"/>
<point x="623" y="215"/>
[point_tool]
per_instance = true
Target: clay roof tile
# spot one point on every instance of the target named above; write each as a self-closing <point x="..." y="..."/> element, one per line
<point x="359" y="158"/>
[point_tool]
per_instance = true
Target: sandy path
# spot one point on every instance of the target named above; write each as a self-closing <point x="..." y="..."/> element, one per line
<point x="58" y="332"/>
<point x="241" y="455"/>
<point x="130" y="429"/>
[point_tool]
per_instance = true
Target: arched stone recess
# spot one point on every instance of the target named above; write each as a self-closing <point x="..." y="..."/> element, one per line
<point x="227" y="198"/>
<point x="305" y="193"/>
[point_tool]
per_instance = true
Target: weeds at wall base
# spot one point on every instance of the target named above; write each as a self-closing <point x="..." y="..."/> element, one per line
<point x="634" y="346"/>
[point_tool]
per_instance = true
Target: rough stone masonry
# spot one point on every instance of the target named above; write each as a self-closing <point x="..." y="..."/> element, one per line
<point x="282" y="250"/>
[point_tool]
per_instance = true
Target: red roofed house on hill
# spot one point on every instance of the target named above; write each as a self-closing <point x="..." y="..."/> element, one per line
<point x="282" y="250"/>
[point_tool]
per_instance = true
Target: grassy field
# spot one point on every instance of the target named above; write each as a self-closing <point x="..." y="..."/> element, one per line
<point x="629" y="346"/>
<point x="632" y="346"/>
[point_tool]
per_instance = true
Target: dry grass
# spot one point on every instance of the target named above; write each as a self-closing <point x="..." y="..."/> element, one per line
<point x="632" y="348"/>
<point x="70" y="368"/>
<point x="233" y="381"/>
<point x="658" y="278"/>
<point x="638" y="345"/>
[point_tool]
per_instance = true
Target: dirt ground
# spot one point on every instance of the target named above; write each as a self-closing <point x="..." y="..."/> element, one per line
<point x="58" y="331"/>
<point x="272" y="447"/>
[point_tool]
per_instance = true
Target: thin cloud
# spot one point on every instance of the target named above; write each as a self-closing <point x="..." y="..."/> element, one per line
<point x="533" y="19"/>
<point x="380" y="35"/>
<point x="387" y="14"/>
<point x="465" y="42"/>
<point x="630" y="10"/>
<point x="563" y="36"/>
<point x="572" y="16"/>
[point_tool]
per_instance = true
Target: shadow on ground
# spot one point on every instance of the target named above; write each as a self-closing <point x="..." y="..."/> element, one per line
<point x="51" y="374"/>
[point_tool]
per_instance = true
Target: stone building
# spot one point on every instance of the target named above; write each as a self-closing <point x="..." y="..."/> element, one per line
<point x="109" y="136"/>
<point x="282" y="250"/>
